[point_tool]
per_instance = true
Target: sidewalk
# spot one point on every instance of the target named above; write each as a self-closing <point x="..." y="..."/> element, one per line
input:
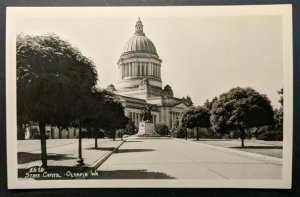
<point x="63" y="154"/>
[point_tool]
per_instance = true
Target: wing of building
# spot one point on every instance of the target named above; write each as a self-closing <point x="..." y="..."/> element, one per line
<point x="140" y="83"/>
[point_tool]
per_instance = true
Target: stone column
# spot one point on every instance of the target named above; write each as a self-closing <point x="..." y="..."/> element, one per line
<point x="159" y="71"/>
<point x="140" y="67"/>
<point x="133" y="66"/>
<point x="122" y="68"/>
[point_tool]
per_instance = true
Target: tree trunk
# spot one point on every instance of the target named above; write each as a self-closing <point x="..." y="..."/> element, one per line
<point x="42" y="127"/>
<point x="68" y="134"/>
<point x="114" y="135"/>
<point x="96" y="138"/>
<point x="80" y="160"/>
<point x="186" y="134"/>
<point x="60" y="133"/>
<point x="197" y="134"/>
<point x="242" y="137"/>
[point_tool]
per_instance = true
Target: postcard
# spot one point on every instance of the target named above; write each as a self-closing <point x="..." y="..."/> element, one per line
<point x="149" y="97"/>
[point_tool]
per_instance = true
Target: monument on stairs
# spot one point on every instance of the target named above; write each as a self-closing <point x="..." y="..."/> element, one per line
<point x="146" y="127"/>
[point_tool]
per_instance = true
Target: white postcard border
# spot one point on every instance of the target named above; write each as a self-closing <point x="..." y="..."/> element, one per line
<point x="186" y="11"/>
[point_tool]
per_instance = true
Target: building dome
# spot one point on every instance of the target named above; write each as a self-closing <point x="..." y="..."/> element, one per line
<point x="139" y="42"/>
<point x="139" y="61"/>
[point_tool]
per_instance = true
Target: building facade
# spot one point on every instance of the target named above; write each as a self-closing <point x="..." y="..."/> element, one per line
<point x="140" y="82"/>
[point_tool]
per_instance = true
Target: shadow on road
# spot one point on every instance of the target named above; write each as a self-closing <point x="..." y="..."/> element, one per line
<point x="212" y="140"/>
<point x="102" y="148"/>
<point x="130" y="174"/>
<point x="24" y="157"/>
<point x="258" y="147"/>
<point x="133" y="150"/>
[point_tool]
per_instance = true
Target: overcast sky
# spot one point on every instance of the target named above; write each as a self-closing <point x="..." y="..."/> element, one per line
<point x="201" y="56"/>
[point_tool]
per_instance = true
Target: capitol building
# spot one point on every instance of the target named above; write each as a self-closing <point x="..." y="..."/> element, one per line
<point x="140" y="82"/>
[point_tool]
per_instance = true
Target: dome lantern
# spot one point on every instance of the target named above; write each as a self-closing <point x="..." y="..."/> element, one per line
<point x="139" y="28"/>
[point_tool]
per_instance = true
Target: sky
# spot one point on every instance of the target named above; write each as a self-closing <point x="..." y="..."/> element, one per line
<point x="202" y="56"/>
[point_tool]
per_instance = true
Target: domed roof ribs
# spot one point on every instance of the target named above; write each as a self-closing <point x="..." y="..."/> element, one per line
<point x="139" y="42"/>
<point x="146" y="44"/>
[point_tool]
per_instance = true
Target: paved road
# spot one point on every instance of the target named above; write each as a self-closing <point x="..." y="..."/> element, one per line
<point x="178" y="159"/>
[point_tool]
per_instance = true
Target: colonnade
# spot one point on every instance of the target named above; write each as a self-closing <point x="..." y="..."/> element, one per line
<point x="140" y="69"/>
<point x="174" y="116"/>
<point x="137" y="118"/>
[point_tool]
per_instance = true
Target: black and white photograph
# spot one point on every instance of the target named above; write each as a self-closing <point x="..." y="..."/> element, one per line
<point x="149" y="97"/>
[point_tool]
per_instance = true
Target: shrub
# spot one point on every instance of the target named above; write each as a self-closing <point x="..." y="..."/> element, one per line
<point x="130" y="128"/>
<point x="35" y="133"/>
<point x="20" y="133"/>
<point x="162" y="129"/>
<point x="36" y="136"/>
<point x="179" y="132"/>
<point x="90" y="134"/>
<point x="271" y="135"/>
<point x="206" y="133"/>
<point x="209" y="134"/>
<point x="151" y="135"/>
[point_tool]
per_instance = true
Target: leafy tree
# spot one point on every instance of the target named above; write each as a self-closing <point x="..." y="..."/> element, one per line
<point x="181" y="132"/>
<point x="278" y="113"/>
<point x="91" y="109"/>
<point x="209" y="104"/>
<point x="111" y="87"/>
<point x="51" y="77"/>
<point x="161" y="129"/>
<point x="241" y="109"/>
<point x="188" y="101"/>
<point x="280" y="92"/>
<point x="113" y="114"/>
<point x="195" y="117"/>
<point x="130" y="128"/>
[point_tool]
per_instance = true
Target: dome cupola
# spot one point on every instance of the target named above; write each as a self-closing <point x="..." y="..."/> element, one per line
<point x="139" y="28"/>
<point x="139" y="42"/>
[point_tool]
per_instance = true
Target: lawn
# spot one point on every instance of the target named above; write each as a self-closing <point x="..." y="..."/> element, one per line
<point x="268" y="148"/>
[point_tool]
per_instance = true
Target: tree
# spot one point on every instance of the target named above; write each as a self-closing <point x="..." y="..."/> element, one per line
<point x="130" y="128"/>
<point x="278" y="113"/>
<point x="91" y="109"/>
<point x="113" y="114"/>
<point x="209" y="104"/>
<point x="188" y="101"/>
<point x="51" y="77"/>
<point x="161" y="129"/>
<point x="195" y="117"/>
<point x="241" y="109"/>
<point x="280" y="92"/>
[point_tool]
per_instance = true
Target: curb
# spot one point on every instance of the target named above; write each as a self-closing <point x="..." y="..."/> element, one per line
<point x="145" y="138"/>
<point x="101" y="160"/>
<point x="269" y="159"/>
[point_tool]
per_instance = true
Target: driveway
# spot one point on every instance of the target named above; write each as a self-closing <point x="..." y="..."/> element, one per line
<point x="142" y="158"/>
